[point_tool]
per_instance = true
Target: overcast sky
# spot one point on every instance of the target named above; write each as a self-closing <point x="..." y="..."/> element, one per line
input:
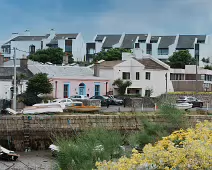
<point x="106" y="16"/>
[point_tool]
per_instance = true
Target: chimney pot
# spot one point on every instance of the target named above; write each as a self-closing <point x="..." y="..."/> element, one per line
<point x="24" y="63"/>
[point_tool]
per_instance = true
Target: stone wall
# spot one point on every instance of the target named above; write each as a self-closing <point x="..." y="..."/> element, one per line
<point x="43" y="129"/>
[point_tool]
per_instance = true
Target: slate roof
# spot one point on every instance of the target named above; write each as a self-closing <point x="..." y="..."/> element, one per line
<point x="57" y="37"/>
<point x="61" y="71"/>
<point x="109" y="41"/>
<point x="109" y="64"/>
<point x="10" y="63"/>
<point x="166" y="41"/>
<point x="154" y="38"/>
<point x="187" y="41"/>
<point x="8" y="72"/>
<point x="151" y="64"/>
<point x="129" y="40"/>
<point x="63" y="36"/>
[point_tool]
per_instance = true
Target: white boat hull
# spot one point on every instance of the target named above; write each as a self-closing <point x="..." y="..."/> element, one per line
<point x="45" y="108"/>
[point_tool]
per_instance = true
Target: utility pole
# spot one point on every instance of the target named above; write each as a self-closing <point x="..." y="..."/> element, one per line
<point x="196" y="75"/>
<point x="14" y="85"/>
<point x="166" y="85"/>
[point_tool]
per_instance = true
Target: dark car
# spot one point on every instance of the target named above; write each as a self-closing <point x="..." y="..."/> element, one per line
<point x="196" y="102"/>
<point x="115" y="101"/>
<point x="104" y="100"/>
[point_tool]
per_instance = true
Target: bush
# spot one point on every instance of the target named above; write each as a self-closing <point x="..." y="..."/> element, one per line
<point x="91" y="146"/>
<point x="183" y="149"/>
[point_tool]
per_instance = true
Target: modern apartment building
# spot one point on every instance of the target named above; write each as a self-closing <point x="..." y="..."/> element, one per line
<point x="160" y="47"/>
<point x="27" y="44"/>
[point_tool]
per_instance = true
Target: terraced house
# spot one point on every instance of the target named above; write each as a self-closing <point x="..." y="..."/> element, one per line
<point x="28" y="44"/>
<point x="160" y="47"/>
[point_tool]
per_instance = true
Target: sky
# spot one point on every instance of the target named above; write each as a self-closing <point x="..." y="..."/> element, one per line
<point x="91" y="17"/>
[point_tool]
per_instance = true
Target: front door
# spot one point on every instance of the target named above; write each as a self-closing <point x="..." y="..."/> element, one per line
<point x="81" y="90"/>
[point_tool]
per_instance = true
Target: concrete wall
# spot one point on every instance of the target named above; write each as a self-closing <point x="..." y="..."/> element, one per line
<point x="44" y="128"/>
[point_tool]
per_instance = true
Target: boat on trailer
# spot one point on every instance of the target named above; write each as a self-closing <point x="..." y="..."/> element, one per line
<point x="44" y="108"/>
<point x="8" y="155"/>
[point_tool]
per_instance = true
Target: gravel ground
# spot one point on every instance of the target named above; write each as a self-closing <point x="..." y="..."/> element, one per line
<point x="35" y="160"/>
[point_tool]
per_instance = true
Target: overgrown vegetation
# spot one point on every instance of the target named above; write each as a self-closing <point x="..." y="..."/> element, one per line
<point x="94" y="145"/>
<point x="122" y="85"/>
<point x="153" y="131"/>
<point x="110" y="55"/>
<point x="38" y="84"/>
<point x="52" y="55"/>
<point x="208" y="67"/>
<point x="180" y="59"/>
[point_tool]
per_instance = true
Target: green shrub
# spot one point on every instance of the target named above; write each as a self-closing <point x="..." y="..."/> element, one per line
<point x="91" y="146"/>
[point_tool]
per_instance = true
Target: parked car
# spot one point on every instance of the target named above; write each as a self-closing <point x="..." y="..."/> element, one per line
<point x="68" y="102"/>
<point x="115" y="101"/>
<point x="79" y="97"/>
<point x="104" y="100"/>
<point x="192" y="100"/>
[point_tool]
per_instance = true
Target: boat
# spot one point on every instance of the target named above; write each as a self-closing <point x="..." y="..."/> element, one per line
<point x="84" y="108"/>
<point x="183" y="105"/>
<point x="8" y="155"/>
<point x="43" y="108"/>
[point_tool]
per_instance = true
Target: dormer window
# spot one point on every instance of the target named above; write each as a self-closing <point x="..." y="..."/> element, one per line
<point x="31" y="49"/>
<point x="137" y="45"/>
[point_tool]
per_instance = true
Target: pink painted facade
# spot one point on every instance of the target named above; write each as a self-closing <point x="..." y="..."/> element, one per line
<point x="90" y="86"/>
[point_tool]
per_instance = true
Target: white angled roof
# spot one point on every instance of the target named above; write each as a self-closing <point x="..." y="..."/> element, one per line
<point x="61" y="71"/>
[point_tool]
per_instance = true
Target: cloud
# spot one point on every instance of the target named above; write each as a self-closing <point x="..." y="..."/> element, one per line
<point x="158" y="17"/>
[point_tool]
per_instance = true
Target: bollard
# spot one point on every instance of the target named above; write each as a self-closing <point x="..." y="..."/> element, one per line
<point x="155" y="106"/>
<point x="207" y="107"/>
<point x="119" y="109"/>
<point x="142" y="107"/>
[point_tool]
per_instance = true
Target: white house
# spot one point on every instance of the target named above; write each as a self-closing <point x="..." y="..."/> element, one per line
<point x="147" y="74"/>
<point x="161" y="47"/>
<point x="26" y="44"/>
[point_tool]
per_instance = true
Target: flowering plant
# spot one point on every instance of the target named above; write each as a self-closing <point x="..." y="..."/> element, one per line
<point x="183" y="149"/>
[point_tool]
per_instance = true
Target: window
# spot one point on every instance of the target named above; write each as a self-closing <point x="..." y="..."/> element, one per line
<point x="91" y="51"/>
<point x="137" y="91"/>
<point x="97" y="89"/>
<point x="153" y="41"/>
<point x="126" y="75"/>
<point x="32" y="49"/>
<point x="174" y="76"/>
<point x="41" y="45"/>
<point x="149" y="49"/>
<point x="163" y="51"/>
<point x="147" y="75"/>
<point x="147" y="93"/>
<point x="65" y="90"/>
<point x="137" y="45"/>
<point x="68" y="45"/>
<point x="142" y="41"/>
<point x="200" y="41"/>
<point x="137" y="76"/>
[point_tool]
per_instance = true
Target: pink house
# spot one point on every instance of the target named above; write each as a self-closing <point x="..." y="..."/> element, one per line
<point x="72" y="80"/>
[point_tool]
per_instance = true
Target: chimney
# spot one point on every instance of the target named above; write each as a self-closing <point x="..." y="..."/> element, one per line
<point x="65" y="59"/>
<point x="24" y="63"/>
<point x="27" y="33"/>
<point x="96" y="69"/>
<point x="52" y="33"/>
<point x="1" y="59"/>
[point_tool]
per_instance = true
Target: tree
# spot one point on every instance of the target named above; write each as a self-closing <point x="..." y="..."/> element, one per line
<point x="122" y="85"/>
<point x="52" y="55"/>
<point x="180" y="59"/>
<point x="110" y="55"/>
<point x="39" y="84"/>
